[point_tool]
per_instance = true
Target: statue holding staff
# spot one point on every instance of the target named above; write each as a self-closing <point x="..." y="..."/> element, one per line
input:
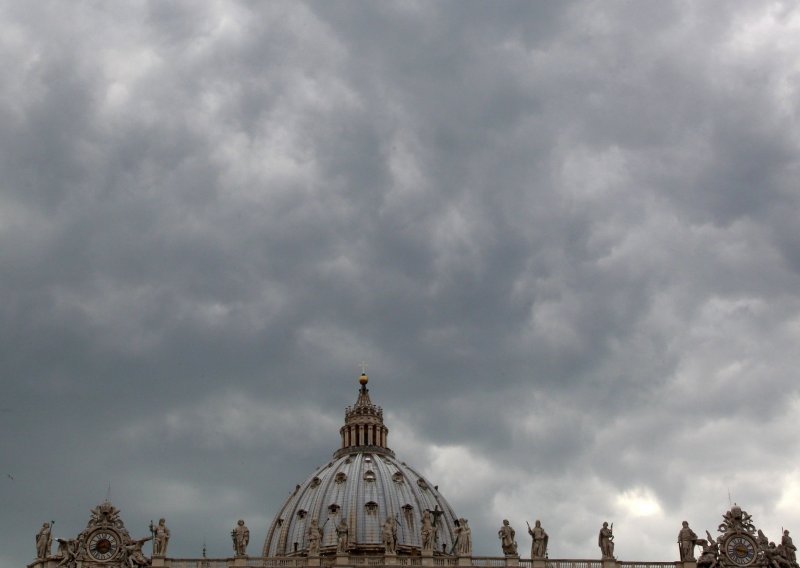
<point x="540" y="539"/>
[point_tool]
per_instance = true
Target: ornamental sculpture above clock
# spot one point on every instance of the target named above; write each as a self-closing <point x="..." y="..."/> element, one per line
<point x="104" y="543"/>
<point x="742" y="545"/>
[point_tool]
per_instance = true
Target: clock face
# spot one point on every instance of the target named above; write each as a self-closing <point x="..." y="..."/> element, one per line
<point x="741" y="550"/>
<point x="103" y="545"/>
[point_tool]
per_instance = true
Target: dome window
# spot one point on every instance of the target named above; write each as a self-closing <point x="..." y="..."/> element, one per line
<point x="340" y="477"/>
<point x="315" y="482"/>
<point x="301" y="514"/>
<point x="333" y="509"/>
<point x="421" y="483"/>
<point x="369" y="475"/>
<point x="371" y="507"/>
<point x="397" y="477"/>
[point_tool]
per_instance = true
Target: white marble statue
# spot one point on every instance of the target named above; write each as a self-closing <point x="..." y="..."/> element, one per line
<point x="314" y="537"/>
<point x="789" y="549"/>
<point x="427" y="533"/>
<point x="160" y="538"/>
<point x="687" y="540"/>
<point x="463" y="544"/>
<point x="342" y="531"/>
<point x="241" y="538"/>
<point x="540" y="540"/>
<point x="389" y="535"/>
<point x="605" y="540"/>
<point x="44" y="542"/>
<point x="506" y="535"/>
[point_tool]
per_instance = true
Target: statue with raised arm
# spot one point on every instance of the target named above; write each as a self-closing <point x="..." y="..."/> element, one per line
<point x="69" y="550"/>
<point x="342" y="531"/>
<point x="605" y="540"/>
<point x="427" y="533"/>
<point x="708" y="558"/>
<point x="44" y="542"/>
<point x="540" y="539"/>
<point x="134" y="554"/>
<point x="687" y="540"/>
<point x="506" y="535"/>
<point x="240" y="536"/>
<point x="160" y="538"/>
<point x="389" y="536"/>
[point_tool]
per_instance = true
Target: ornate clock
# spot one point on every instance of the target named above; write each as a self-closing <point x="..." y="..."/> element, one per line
<point x="740" y="549"/>
<point x="103" y="544"/>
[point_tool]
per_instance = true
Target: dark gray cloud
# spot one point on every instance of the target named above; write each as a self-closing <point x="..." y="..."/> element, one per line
<point x="563" y="237"/>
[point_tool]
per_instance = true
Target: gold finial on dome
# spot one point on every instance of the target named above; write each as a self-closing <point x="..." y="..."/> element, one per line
<point x="363" y="428"/>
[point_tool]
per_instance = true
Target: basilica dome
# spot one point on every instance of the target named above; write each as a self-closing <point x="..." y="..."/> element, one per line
<point x="363" y="485"/>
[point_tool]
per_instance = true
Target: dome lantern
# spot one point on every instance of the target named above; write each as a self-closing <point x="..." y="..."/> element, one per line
<point x="363" y="425"/>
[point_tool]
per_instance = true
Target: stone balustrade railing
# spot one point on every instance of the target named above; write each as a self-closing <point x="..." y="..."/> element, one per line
<point x="369" y="561"/>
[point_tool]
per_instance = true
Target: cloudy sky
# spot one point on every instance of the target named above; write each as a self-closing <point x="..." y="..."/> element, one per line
<point x="563" y="236"/>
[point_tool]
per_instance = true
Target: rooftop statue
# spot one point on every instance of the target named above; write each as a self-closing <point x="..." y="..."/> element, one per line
<point x="342" y="531"/>
<point x="134" y="554"/>
<point x="427" y="534"/>
<point x="506" y="536"/>
<point x="775" y="557"/>
<point x="68" y="550"/>
<point x="463" y="544"/>
<point x="687" y="540"/>
<point x="605" y="540"/>
<point x="789" y="549"/>
<point x="240" y="536"/>
<point x="389" y="535"/>
<point x="314" y="536"/>
<point x="710" y="555"/>
<point x="44" y="541"/>
<point x="540" y="539"/>
<point x="160" y="538"/>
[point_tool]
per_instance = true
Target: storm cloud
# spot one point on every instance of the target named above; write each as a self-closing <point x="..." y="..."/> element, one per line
<point x="563" y="236"/>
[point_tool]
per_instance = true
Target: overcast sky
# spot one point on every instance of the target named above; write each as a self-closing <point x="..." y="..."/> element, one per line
<point x="563" y="236"/>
